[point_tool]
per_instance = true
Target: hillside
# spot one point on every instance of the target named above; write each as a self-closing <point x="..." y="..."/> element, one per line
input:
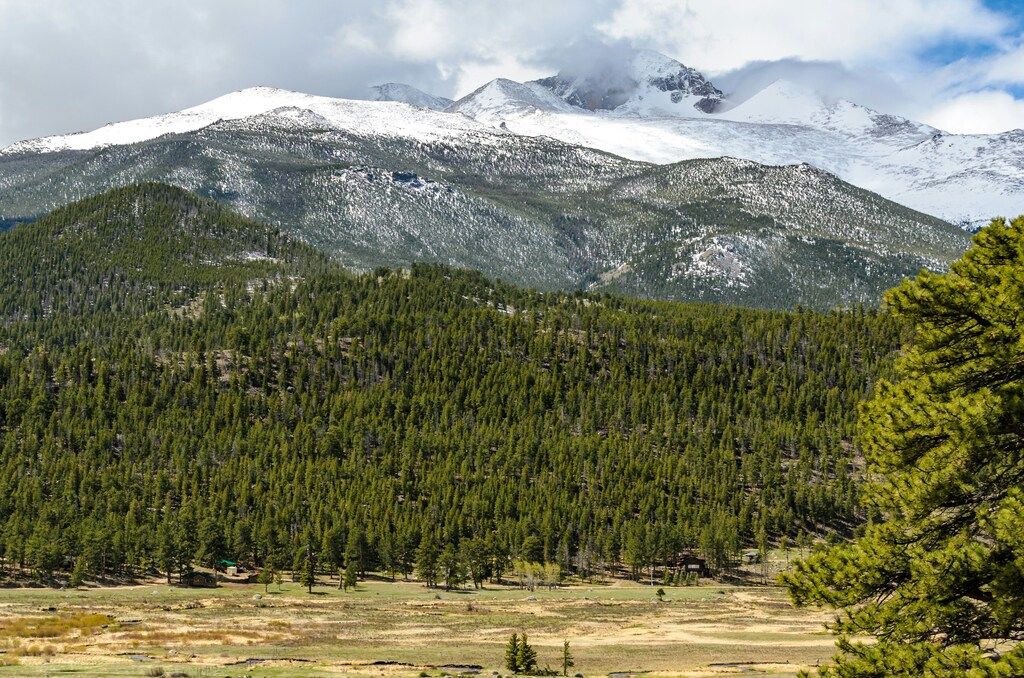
<point x="161" y="410"/>
<point x="385" y="184"/>
<point x="130" y="252"/>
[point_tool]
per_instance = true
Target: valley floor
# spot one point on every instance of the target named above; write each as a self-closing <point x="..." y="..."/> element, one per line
<point x="402" y="629"/>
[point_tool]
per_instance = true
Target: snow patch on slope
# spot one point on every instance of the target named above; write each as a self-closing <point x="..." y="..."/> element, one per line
<point x="374" y="118"/>
<point x="407" y="94"/>
<point x="782" y="102"/>
<point x="501" y="98"/>
<point x="719" y="258"/>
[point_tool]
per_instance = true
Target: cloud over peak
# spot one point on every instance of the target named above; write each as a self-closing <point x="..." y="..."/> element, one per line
<point x="72" y="65"/>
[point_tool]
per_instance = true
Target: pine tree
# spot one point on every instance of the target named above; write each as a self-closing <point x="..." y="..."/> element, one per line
<point x="266" y="577"/>
<point x="185" y="543"/>
<point x="426" y="559"/>
<point x="512" y="654"/>
<point x="309" y="565"/>
<point x="308" y="576"/>
<point x="451" y="567"/>
<point x="477" y="558"/>
<point x="526" y="656"/>
<point x="166" y="546"/>
<point x="211" y="546"/>
<point x="568" y="661"/>
<point x="78" y="572"/>
<point x="333" y="548"/>
<point x="351" y="575"/>
<point x="354" y="549"/>
<point x="938" y="579"/>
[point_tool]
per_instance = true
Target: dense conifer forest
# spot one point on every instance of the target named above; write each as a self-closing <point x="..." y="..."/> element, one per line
<point x="180" y="385"/>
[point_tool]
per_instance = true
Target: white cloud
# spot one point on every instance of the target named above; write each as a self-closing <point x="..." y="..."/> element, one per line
<point x="423" y="30"/>
<point x="831" y="79"/>
<point x="726" y="34"/>
<point x="474" y="42"/>
<point x="1008" y="67"/>
<point x="865" y="50"/>
<point x="70" y="65"/>
<point x="351" y="38"/>
<point x="979" y="113"/>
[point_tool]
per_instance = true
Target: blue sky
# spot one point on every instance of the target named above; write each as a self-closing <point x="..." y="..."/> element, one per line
<point x="995" y="101"/>
<point x="68" y="65"/>
<point x="953" y="49"/>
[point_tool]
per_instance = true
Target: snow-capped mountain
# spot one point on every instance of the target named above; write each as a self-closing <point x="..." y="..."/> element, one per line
<point x="966" y="179"/>
<point x="386" y="183"/>
<point x="502" y="98"/>
<point x="567" y="182"/>
<point x="655" y="109"/>
<point x="648" y="82"/>
<point x="407" y="94"/>
<point x="362" y="117"/>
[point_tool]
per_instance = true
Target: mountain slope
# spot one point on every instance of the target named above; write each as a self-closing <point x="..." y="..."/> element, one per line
<point x="528" y="209"/>
<point x="501" y="97"/>
<point x="391" y="409"/>
<point x="761" y="229"/>
<point x="383" y="118"/>
<point x="133" y="250"/>
<point x="967" y="179"/>
<point x="407" y="94"/>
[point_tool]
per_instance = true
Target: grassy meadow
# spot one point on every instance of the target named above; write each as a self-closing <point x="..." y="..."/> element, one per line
<point x="402" y="629"/>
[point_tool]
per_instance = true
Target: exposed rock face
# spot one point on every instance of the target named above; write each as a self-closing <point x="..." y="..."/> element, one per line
<point x="591" y="94"/>
<point x="689" y="81"/>
<point x="631" y="83"/>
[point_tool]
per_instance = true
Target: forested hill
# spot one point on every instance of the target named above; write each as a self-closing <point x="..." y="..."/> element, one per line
<point x="181" y="385"/>
<point x="129" y="252"/>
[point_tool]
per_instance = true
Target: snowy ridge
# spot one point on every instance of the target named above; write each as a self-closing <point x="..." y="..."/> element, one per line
<point x="649" y="83"/>
<point x="781" y="102"/>
<point x="654" y="109"/>
<point x="381" y="118"/>
<point x="501" y="98"/>
<point x="965" y="179"/>
<point x="350" y="180"/>
<point x="407" y="94"/>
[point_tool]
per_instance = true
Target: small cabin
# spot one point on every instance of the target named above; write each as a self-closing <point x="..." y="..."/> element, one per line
<point x="688" y="563"/>
<point x="198" y="579"/>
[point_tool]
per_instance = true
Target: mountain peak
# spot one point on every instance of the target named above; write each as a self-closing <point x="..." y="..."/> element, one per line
<point x="407" y="94"/>
<point x="502" y="96"/>
<point x="645" y="81"/>
<point x="782" y="101"/>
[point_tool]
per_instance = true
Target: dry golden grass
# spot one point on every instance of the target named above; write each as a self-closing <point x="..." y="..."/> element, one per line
<point x="33" y="650"/>
<point x="55" y="626"/>
<point x="397" y="630"/>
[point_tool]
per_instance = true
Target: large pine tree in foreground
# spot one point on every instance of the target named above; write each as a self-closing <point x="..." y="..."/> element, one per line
<point x="937" y="582"/>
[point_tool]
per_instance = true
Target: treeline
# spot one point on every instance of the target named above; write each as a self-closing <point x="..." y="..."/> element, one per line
<point x="291" y="416"/>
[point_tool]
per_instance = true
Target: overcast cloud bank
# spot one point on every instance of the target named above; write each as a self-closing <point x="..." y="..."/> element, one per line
<point x="67" y="65"/>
